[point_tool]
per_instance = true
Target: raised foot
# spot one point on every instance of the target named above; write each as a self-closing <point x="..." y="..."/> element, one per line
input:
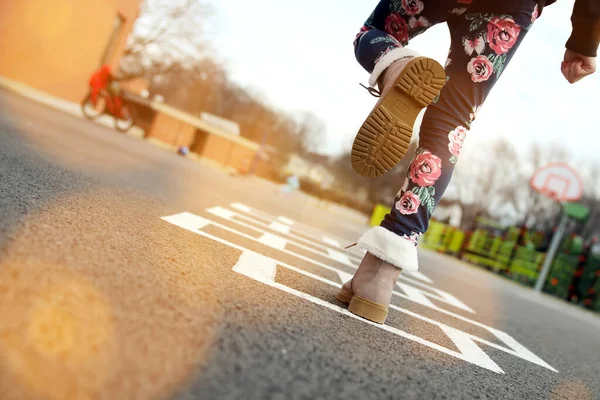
<point x="422" y="80"/>
<point x="385" y="136"/>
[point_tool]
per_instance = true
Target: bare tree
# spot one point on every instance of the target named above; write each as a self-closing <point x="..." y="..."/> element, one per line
<point x="167" y="35"/>
<point x="310" y="130"/>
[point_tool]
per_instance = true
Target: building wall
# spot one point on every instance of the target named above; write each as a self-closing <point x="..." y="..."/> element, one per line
<point x="241" y="157"/>
<point x="54" y="46"/>
<point x="225" y="152"/>
<point x="217" y="149"/>
<point x="171" y="131"/>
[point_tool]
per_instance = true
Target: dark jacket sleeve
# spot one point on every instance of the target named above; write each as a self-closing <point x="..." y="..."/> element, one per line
<point x="585" y="36"/>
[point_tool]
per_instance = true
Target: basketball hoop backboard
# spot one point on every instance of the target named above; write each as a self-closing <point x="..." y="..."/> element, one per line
<point x="558" y="181"/>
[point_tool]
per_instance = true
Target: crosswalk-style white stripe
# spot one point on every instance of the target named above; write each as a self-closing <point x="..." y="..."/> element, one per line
<point x="263" y="269"/>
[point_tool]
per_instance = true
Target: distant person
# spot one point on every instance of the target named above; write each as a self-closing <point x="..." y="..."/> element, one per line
<point x="292" y="184"/>
<point x="100" y="80"/>
<point x="484" y="36"/>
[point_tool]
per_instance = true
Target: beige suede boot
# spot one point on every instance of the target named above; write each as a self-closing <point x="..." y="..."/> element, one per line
<point x="407" y="86"/>
<point x="369" y="292"/>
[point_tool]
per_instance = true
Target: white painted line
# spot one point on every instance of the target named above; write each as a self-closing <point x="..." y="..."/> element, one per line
<point x="517" y="351"/>
<point x="274" y="241"/>
<point x="241" y="207"/>
<point x="276" y="226"/>
<point x="306" y="232"/>
<point x="420" y="276"/>
<point x="440" y="295"/>
<point x="285" y="220"/>
<point x="341" y="257"/>
<point x="344" y="277"/>
<point x="256" y="266"/>
<point x="229" y="215"/>
<point x="416" y="295"/>
<point x="355" y="253"/>
<point x="272" y="244"/>
<point x="331" y="242"/>
<point x="250" y="265"/>
<point x="469" y="351"/>
<point x="188" y="221"/>
<point x="222" y="212"/>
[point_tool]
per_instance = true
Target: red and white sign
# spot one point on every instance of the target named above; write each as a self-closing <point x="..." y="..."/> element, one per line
<point x="559" y="182"/>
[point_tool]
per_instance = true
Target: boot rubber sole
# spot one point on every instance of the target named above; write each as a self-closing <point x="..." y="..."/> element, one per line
<point x="367" y="309"/>
<point x="344" y="296"/>
<point x="384" y="137"/>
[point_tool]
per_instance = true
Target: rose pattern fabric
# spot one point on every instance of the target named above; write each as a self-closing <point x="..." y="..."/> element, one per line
<point x="412" y="7"/>
<point x="408" y="203"/>
<point x="413" y="238"/>
<point x="476" y="45"/>
<point x="499" y="34"/>
<point x="425" y="169"/>
<point x="502" y="34"/>
<point x="456" y="140"/>
<point x="536" y="13"/>
<point x="458" y="11"/>
<point x="482" y="44"/>
<point x="418" y="23"/>
<point x="423" y="172"/>
<point x="396" y="26"/>
<point x="480" y="68"/>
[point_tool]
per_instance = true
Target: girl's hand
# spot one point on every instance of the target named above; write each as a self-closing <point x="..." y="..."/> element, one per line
<point x="576" y="66"/>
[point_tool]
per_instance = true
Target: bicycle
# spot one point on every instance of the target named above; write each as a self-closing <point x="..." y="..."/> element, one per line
<point x="106" y="97"/>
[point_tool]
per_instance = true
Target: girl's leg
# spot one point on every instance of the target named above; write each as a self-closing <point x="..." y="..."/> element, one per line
<point x="409" y="83"/>
<point x="482" y="44"/>
<point x="379" y="48"/>
<point x="387" y="31"/>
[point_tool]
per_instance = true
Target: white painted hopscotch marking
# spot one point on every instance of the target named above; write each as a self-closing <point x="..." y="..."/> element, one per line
<point x="331" y="242"/>
<point x="306" y="232"/>
<point x="274" y="241"/>
<point x="276" y="226"/>
<point x="263" y="269"/>
<point x="228" y="215"/>
<point x="419" y="275"/>
<point x="285" y="220"/>
<point x="330" y="253"/>
<point x="355" y="253"/>
<point x="341" y="257"/>
<point x="437" y="294"/>
<point x="422" y="297"/>
<point x="279" y="243"/>
<point x="468" y="350"/>
<point x="242" y="207"/>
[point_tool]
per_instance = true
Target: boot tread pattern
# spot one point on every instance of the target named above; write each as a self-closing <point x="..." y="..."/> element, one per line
<point x="386" y="134"/>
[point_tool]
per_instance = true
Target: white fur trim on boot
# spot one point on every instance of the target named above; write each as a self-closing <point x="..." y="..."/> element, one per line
<point x="391" y="248"/>
<point x="389" y="59"/>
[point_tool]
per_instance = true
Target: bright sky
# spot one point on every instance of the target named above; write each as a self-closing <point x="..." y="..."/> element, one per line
<point x="299" y="55"/>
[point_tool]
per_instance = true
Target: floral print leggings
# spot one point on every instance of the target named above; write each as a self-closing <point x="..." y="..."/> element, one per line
<point x="484" y="36"/>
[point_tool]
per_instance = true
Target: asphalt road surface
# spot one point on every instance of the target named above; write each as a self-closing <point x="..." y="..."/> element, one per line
<point x="128" y="272"/>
